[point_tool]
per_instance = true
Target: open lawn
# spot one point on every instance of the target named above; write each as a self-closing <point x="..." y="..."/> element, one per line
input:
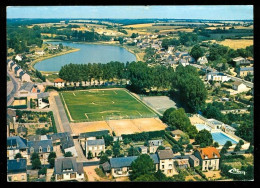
<point x="98" y="105"/>
<point x="236" y="44"/>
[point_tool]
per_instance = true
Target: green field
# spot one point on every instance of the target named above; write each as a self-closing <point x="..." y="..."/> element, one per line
<point x="96" y="105"/>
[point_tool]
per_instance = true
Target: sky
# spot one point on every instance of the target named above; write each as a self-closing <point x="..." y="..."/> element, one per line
<point x="212" y="12"/>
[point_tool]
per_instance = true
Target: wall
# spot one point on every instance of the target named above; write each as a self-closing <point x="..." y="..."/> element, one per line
<point x="18" y="177"/>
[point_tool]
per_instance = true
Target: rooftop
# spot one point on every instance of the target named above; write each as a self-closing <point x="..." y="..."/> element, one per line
<point x="17" y="141"/>
<point x="237" y="83"/>
<point x="96" y="142"/>
<point x="122" y="161"/>
<point x="67" y="163"/>
<point x="246" y="68"/>
<point x="27" y="86"/>
<point x="58" y="80"/>
<point x="43" y="95"/>
<point x="165" y="154"/>
<point x="210" y="152"/>
<point x="16" y="165"/>
<point x="238" y="59"/>
<point x="93" y="134"/>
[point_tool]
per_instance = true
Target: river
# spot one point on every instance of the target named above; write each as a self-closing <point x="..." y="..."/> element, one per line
<point x="88" y="53"/>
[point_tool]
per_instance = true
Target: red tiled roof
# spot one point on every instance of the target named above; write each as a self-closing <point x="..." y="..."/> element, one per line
<point x="58" y="80"/>
<point x="209" y="152"/>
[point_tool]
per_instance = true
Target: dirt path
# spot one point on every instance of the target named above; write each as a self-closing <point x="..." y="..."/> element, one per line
<point x="92" y="175"/>
<point x="53" y="106"/>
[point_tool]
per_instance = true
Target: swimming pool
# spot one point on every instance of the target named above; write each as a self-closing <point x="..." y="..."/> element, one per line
<point x="202" y="126"/>
<point x="222" y="138"/>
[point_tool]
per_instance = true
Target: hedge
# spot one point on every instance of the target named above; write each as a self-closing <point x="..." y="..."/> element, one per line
<point x="172" y="139"/>
<point x="53" y="122"/>
<point x="144" y="135"/>
<point x="200" y="173"/>
<point x="233" y="157"/>
<point x="82" y="87"/>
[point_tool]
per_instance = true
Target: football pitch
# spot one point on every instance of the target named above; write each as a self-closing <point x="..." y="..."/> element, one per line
<point x="98" y="105"/>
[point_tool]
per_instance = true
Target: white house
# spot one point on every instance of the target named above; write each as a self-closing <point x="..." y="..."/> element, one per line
<point x="209" y="158"/>
<point x="39" y="52"/>
<point x="202" y="60"/>
<point x="217" y="76"/>
<point x="68" y="169"/>
<point x="14" y="66"/>
<point x="166" y="162"/>
<point x="59" y="82"/>
<point x="18" y="57"/>
<point x="95" y="147"/>
<point x="25" y="77"/>
<point x="239" y="86"/>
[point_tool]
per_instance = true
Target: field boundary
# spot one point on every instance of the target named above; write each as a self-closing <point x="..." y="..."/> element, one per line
<point x="66" y="108"/>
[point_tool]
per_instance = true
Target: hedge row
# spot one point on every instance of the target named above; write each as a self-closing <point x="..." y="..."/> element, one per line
<point x="82" y="87"/>
<point x="233" y="157"/>
<point x="144" y="135"/>
<point x="172" y="139"/>
<point x="53" y="122"/>
<point x="201" y="173"/>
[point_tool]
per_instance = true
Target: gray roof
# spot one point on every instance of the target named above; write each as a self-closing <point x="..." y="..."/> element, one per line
<point x="57" y="136"/>
<point x="17" y="142"/>
<point x="165" y="154"/>
<point x="93" y="134"/>
<point x="246" y="68"/>
<point x="43" y="95"/>
<point x="155" y="158"/>
<point x="106" y="166"/>
<point x="36" y="145"/>
<point x="96" y="142"/>
<point x="66" y="142"/>
<point x="194" y="158"/>
<point x="21" y="73"/>
<point x="122" y="161"/>
<point x="155" y="142"/>
<point x="34" y="137"/>
<point x="16" y="165"/>
<point x="11" y="113"/>
<point x="216" y="73"/>
<point x="27" y="86"/>
<point x="181" y="157"/>
<point x="21" y="129"/>
<point x="16" y="68"/>
<point x="12" y="64"/>
<point x="67" y="163"/>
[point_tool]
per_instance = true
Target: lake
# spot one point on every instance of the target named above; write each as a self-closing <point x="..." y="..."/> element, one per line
<point x="88" y="53"/>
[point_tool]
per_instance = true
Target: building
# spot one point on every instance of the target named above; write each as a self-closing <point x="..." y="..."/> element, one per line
<point x="18" y="57"/>
<point x="117" y="138"/>
<point x="39" y="52"/>
<point x="143" y="149"/>
<point x="239" y="86"/>
<point x="42" y="147"/>
<point x="68" y="169"/>
<point x="42" y="100"/>
<point x="194" y="161"/>
<point x="121" y="166"/>
<point x="91" y="135"/>
<point x="18" y="72"/>
<point x="24" y="77"/>
<point x="11" y="117"/>
<point x="240" y="61"/>
<point x="16" y="144"/>
<point x="21" y="131"/>
<point x="209" y="158"/>
<point x="62" y="22"/>
<point x="59" y="82"/>
<point x="153" y="145"/>
<point x="9" y="62"/>
<point x="67" y="145"/>
<point x="217" y="76"/>
<point x="14" y="66"/>
<point x="177" y="134"/>
<point x="202" y="60"/>
<point x="16" y="170"/>
<point x="25" y="89"/>
<point x="95" y="147"/>
<point x="244" y="71"/>
<point x="166" y="162"/>
<point x="106" y="167"/>
<point x="228" y="129"/>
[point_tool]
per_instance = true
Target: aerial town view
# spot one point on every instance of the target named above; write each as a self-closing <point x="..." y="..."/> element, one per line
<point x="130" y="93"/>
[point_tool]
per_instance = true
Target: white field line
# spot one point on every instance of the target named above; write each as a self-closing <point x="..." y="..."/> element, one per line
<point x="115" y="92"/>
<point x="140" y="113"/>
<point x="66" y="107"/>
<point x="74" y="94"/>
<point x="86" y="115"/>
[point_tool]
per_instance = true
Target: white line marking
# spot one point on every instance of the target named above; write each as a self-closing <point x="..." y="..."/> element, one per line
<point x="74" y="94"/>
<point x="86" y="115"/>
<point x="140" y="113"/>
<point x="115" y="92"/>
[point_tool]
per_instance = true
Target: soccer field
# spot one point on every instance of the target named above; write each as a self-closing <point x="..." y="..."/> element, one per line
<point x="96" y="105"/>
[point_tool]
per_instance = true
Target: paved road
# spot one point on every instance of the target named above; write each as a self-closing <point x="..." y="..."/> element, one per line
<point x="63" y="116"/>
<point x="15" y="89"/>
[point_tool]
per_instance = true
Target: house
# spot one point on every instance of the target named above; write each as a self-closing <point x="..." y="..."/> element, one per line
<point x="68" y="145"/>
<point x="106" y="167"/>
<point x="202" y="60"/>
<point x="121" y="166"/>
<point x="250" y="59"/>
<point x="166" y="162"/>
<point x="16" y="70"/>
<point x="214" y="124"/>
<point x="240" y="61"/>
<point x="11" y="119"/>
<point x="9" y="62"/>
<point x="153" y="145"/>
<point x="22" y="131"/>
<point x="16" y="144"/>
<point x="42" y="147"/>
<point x="59" y="82"/>
<point x="42" y="100"/>
<point x="25" y="89"/>
<point x="217" y="76"/>
<point x="184" y="62"/>
<point x="143" y="149"/>
<point x="14" y="66"/>
<point x="68" y="169"/>
<point x="194" y="161"/>
<point x="92" y="135"/>
<point x="24" y="77"/>
<point x="228" y="129"/>
<point x="244" y="71"/>
<point x="95" y="146"/>
<point x="117" y="138"/>
<point x="16" y="170"/>
<point x="18" y="57"/>
<point x="39" y="52"/>
<point x="239" y="86"/>
<point x="209" y="158"/>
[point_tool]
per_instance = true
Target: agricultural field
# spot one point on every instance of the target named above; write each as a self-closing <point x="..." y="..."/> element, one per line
<point x="98" y="105"/>
<point x="236" y="44"/>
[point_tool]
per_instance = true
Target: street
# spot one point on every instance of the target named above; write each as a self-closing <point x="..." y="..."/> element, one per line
<point x="15" y="88"/>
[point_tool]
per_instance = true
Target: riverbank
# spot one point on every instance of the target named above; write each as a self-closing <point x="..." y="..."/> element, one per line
<point x="51" y="56"/>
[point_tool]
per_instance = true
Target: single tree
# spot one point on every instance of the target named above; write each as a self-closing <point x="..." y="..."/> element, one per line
<point x="108" y="152"/>
<point x="204" y="137"/>
<point x="143" y="165"/>
<point x="161" y="148"/>
<point x="90" y="155"/>
<point x="68" y="154"/>
<point x="34" y="156"/>
<point x="196" y="52"/>
<point x="18" y="155"/>
<point x="36" y="163"/>
<point x="133" y="151"/>
<point x="216" y="145"/>
<point x="104" y="158"/>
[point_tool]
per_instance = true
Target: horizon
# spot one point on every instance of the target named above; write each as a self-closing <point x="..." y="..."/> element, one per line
<point x="193" y="12"/>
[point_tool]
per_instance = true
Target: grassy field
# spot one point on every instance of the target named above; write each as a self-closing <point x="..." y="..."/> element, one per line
<point x="95" y="105"/>
<point x="236" y="44"/>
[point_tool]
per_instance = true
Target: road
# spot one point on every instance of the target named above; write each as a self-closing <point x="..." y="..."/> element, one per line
<point x="248" y="84"/>
<point x="15" y="88"/>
